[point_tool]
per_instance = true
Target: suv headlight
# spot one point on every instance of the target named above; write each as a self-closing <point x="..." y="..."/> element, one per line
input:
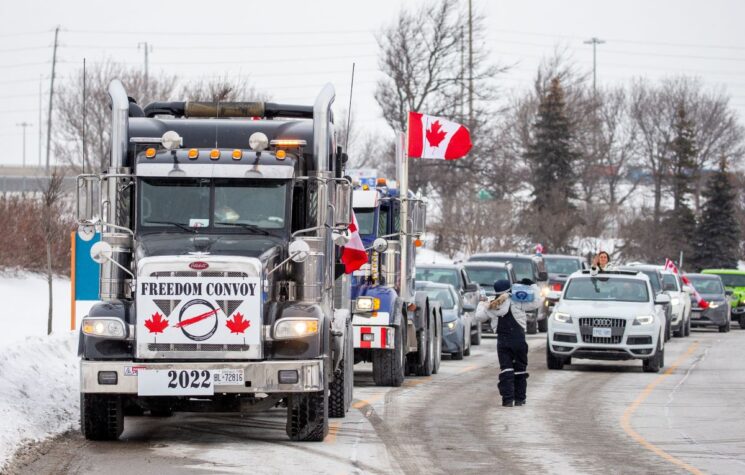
<point x="287" y="328"/>
<point x="451" y="325"/>
<point x="644" y="320"/>
<point x="715" y="304"/>
<point x="562" y="317"/>
<point x="106" y="327"/>
<point x="366" y="304"/>
<point x="675" y="301"/>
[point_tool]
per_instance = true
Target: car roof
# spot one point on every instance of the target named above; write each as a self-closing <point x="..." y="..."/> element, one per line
<point x="723" y="271"/>
<point x="704" y="276"/>
<point x="485" y="264"/>
<point x="643" y="266"/>
<point x="502" y="255"/>
<point x="433" y="285"/>
<point x="615" y="274"/>
<point x="438" y="266"/>
<point x="562" y="256"/>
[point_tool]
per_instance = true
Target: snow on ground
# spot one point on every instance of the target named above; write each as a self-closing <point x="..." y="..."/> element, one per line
<point x="38" y="373"/>
<point x="429" y="256"/>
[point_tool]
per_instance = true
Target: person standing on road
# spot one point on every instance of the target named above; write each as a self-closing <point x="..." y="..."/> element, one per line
<point x="509" y="318"/>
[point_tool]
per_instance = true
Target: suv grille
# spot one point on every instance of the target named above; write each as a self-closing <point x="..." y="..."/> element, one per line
<point x="617" y="326"/>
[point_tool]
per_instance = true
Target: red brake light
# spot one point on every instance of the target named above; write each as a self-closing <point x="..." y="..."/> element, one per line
<point x="556" y="286"/>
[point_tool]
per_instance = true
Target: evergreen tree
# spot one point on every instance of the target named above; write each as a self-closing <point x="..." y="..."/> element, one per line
<point x="680" y="223"/>
<point x="552" y="216"/>
<point x="718" y="234"/>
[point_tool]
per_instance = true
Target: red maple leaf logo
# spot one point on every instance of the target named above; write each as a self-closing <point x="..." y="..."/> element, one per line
<point x="156" y="323"/>
<point x="237" y="324"/>
<point x="435" y="134"/>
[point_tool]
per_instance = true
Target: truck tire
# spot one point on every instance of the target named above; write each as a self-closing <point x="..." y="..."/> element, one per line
<point x="476" y="337"/>
<point x="307" y="416"/>
<point x="655" y="363"/>
<point x="101" y="416"/>
<point x="438" y="343"/>
<point x="531" y="327"/>
<point x="389" y="365"/>
<point x="543" y="325"/>
<point x="427" y="344"/>
<point x="553" y="361"/>
<point x="342" y="388"/>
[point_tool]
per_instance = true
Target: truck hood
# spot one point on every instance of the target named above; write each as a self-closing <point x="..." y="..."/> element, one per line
<point x="169" y="244"/>
<point x="588" y="308"/>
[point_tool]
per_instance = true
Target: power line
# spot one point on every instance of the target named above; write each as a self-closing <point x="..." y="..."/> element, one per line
<point x="205" y="33"/>
<point x="26" y="48"/>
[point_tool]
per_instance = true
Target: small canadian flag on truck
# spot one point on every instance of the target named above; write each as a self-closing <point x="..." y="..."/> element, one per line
<point x="437" y="138"/>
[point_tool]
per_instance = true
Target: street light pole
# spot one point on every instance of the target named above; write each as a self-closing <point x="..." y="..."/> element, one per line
<point x="594" y="42"/>
<point x="23" y="125"/>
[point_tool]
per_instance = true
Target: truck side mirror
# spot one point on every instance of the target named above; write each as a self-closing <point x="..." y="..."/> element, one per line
<point x="343" y="205"/>
<point x="380" y="245"/>
<point x="88" y="206"/>
<point x="418" y="216"/>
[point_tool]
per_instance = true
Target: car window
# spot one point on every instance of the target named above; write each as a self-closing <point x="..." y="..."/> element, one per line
<point x="555" y="265"/>
<point x="441" y="276"/>
<point x="707" y="286"/>
<point x="654" y="279"/>
<point x="486" y="276"/>
<point x="670" y="282"/>
<point x="608" y="289"/>
<point x="523" y="269"/>
<point x="732" y="280"/>
<point x="443" y="295"/>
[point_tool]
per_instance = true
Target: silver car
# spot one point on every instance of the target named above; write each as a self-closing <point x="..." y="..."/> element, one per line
<point x="457" y="318"/>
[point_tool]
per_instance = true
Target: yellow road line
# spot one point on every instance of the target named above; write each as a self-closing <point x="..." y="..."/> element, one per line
<point x="468" y="368"/>
<point x="416" y="382"/>
<point x="333" y="430"/>
<point x="626" y="418"/>
<point x="364" y="402"/>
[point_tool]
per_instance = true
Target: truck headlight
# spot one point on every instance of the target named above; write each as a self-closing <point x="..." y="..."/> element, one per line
<point x="104" y="327"/>
<point x="644" y="320"/>
<point x="562" y="317"/>
<point x="366" y="304"/>
<point x="287" y="328"/>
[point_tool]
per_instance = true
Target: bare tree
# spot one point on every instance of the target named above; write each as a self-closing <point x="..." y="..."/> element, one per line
<point x="222" y="89"/>
<point x="51" y="207"/>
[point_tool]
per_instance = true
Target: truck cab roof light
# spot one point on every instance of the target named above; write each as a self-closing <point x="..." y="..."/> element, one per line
<point x="150" y="152"/>
<point x="281" y="154"/>
<point x="288" y="143"/>
<point x="193" y="154"/>
<point x="237" y="154"/>
<point x="382" y="182"/>
<point x="214" y="154"/>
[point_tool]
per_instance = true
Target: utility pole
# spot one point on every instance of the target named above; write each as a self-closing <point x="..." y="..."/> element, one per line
<point x="470" y="65"/>
<point x="594" y="42"/>
<point x="41" y="142"/>
<point x="23" y="125"/>
<point x="462" y="74"/>
<point x="147" y="48"/>
<point x="51" y="95"/>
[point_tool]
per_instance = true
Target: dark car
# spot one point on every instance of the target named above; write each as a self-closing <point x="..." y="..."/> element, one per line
<point x="531" y="267"/>
<point x="457" y="318"/>
<point x="455" y="275"/>
<point x="485" y="274"/>
<point x="711" y="289"/>
<point x="559" y="268"/>
<point x="655" y="280"/>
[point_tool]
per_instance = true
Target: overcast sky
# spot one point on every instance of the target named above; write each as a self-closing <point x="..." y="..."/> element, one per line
<point x="289" y="49"/>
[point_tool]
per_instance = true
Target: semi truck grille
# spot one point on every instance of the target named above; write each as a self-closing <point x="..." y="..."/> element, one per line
<point x="617" y="326"/>
<point x="197" y="274"/>
<point x="194" y="347"/>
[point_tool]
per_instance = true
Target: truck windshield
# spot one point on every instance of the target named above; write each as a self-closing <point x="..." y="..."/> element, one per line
<point x="365" y="220"/>
<point x="604" y="288"/>
<point x="207" y="205"/>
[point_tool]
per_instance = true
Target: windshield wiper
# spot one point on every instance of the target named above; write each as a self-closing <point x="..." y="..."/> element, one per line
<point x="174" y="223"/>
<point x="251" y="227"/>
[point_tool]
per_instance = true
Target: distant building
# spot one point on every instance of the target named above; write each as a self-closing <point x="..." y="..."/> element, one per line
<point x="16" y="179"/>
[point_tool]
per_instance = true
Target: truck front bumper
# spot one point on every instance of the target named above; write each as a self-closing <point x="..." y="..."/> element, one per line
<point x="260" y="376"/>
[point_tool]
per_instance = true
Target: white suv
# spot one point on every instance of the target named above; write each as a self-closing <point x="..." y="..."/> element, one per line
<point x="610" y="316"/>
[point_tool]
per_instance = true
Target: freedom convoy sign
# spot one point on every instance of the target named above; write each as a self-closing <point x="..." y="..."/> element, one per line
<point x="219" y="310"/>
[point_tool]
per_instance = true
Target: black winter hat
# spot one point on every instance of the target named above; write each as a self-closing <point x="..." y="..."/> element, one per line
<point x="502" y="286"/>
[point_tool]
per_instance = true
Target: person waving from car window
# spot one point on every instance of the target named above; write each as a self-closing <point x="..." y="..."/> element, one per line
<point x="600" y="263"/>
<point x="508" y="316"/>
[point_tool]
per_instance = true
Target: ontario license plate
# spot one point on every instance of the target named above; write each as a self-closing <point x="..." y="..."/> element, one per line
<point x="228" y="377"/>
<point x="602" y="332"/>
<point x="173" y="382"/>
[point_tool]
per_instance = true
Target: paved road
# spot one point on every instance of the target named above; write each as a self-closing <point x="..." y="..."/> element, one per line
<point x="588" y="418"/>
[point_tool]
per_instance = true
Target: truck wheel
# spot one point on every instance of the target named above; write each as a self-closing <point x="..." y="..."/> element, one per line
<point x="531" y="328"/>
<point x="553" y="361"/>
<point x="101" y="416"/>
<point x="388" y="365"/>
<point x="438" y="343"/>
<point x="653" y="364"/>
<point x="543" y="325"/>
<point x="340" y="390"/>
<point x="476" y="337"/>
<point x="427" y="345"/>
<point x="307" y="416"/>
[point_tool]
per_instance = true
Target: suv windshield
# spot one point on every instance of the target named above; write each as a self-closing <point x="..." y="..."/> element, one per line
<point x="442" y="276"/>
<point x="443" y="295"/>
<point x="486" y="276"/>
<point x="557" y="265"/>
<point x="707" y="285"/>
<point x="608" y="289"/>
<point x="732" y="280"/>
<point x="210" y="204"/>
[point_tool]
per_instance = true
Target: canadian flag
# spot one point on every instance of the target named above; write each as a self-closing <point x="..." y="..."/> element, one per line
<point x="353" y="255"/>
<point x="670" y="266"/>
<point x="435" y="137"/>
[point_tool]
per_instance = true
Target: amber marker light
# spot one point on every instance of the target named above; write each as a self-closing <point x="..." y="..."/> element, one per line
<point x="193" y="154"/>
<point x="237" y="154"/>
<point x="214" y="154"/>
<point x="281" y="154"/>
<point x="150" y="153"/>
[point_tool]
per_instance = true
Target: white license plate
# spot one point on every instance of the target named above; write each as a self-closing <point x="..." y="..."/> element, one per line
<point x="175" y="382"/>
<point x="602" y="332"/>
<point x="228" y="377"/>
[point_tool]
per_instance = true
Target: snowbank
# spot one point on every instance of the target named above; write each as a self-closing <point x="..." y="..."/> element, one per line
<point x="429" y="256"/>
<point x="38" y="373"/>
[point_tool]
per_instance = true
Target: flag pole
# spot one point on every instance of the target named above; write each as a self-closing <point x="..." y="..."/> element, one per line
<point x="402" y="170"/>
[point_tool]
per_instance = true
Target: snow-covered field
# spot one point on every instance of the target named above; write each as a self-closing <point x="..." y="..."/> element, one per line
<point x="38" y="373"/>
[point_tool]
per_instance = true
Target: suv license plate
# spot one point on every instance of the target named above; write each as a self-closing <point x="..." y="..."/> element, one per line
<point x="175" y="382"/>
<point x="602" y="332"/>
